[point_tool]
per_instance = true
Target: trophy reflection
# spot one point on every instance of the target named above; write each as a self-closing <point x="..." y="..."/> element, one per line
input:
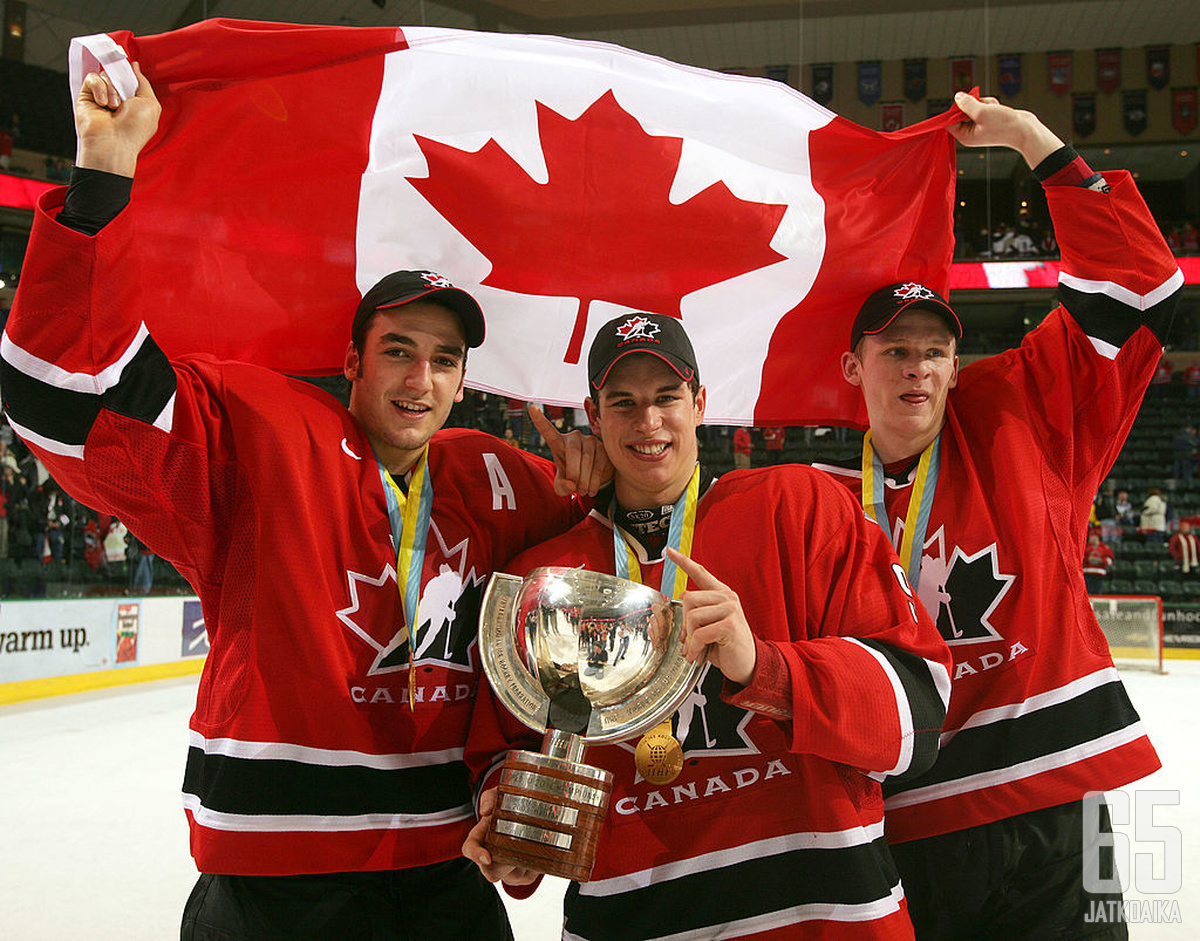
<point x="585" y="658"/>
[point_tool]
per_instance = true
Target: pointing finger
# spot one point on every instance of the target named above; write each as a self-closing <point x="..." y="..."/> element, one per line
<point x="544" y="426"/>
<point x="699" y="575"/>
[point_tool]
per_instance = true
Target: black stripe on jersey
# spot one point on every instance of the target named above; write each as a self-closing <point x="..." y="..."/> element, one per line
<point x="924" y="703"/>
<point x="1108" y="319"/>
<point x="854" y="875"/>
<point x="146" y="386"/>
<point x="1009" y="742"/>
<point x="54" y="413"/>
<point x="273" y="786"/>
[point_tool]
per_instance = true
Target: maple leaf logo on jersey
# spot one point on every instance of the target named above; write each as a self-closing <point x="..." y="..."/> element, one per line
<point x="447" y="612"/>
<point x="707" y="726"/>
<point x="435" y="280"/>
<point x="962" y="593"/>
<point x="912" y="292"/>
<point x="643" y="251"/>
<point x="638" y="328"/>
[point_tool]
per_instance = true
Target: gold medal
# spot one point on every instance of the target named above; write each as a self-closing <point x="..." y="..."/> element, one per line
<point x="659" y="756"/>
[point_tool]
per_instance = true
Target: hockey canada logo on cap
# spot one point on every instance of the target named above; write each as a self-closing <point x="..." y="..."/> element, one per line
<point x="913" y="292"/>
<point x="637" y="328"/>
<point x="435" y="280"/>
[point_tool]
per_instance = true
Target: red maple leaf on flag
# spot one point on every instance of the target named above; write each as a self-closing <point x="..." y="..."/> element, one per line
<point x="602" y="227"/>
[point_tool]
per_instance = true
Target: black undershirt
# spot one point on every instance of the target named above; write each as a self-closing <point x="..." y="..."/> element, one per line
<point x="94" y="198"/>
<point x="650" y="527"/>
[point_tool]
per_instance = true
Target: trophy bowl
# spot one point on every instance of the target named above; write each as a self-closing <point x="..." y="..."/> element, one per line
<point x="585" y="658"/>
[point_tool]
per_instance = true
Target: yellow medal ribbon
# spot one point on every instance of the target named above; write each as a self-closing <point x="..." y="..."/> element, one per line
<point x="410" y="526"/>
<point x="679" y="537"/>
<point x="659" y="755"/>
<point x="920" y="503"/>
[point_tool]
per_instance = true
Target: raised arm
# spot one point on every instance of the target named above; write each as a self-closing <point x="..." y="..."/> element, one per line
<point x="991" y="124"/>
<point x="111" y="133"/>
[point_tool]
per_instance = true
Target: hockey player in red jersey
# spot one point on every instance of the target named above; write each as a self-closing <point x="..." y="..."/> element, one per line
<point x="822" y="678"/>
<point x="983" y="478"/>
<point x="325" y="787"/>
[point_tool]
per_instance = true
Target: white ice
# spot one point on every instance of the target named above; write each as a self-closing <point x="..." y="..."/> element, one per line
<point x="93" y="840"/>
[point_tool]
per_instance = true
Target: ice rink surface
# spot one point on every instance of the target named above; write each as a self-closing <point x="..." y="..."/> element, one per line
<point x="94" y="844"/>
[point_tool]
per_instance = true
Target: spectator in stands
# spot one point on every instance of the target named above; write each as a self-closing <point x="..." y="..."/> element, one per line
<point x="1185" y="549"/>
<point x="1185" y="446"/>
<point x="773" y="442"/>
<point x="57" y="506"/>
<point x="1153" y="520"/>
<point x="1023" y="244"/>
<point x="93" y="544"/>
<point x="743" y="447"/>
<point x="1191" y="379"/>
<point x="1162" y="375"/>
<point x="983" y="242"/>
<point x="514" y="419"/>
<point x="1191" y="238"/>
<point x="1105" y="508"/>
<point x="1124" y="507"/>
<point x="1097" y="559"/>
<point x="141" y="565"/>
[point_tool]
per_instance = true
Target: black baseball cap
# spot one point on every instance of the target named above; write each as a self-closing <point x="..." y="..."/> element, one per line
<point x="888" y="303"/>
<point x="657" y="334"/>
<point x="404" y="287"/>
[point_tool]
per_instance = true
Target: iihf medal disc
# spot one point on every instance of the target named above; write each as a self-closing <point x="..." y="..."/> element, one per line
<point x="659" y="756"/>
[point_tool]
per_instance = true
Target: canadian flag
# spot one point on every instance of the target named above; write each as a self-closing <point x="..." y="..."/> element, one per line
<point x="561" y="182"/>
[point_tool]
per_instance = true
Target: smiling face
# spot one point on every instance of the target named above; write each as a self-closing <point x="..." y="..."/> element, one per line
<point x="405" y="379"/>
<point x="647" y="418"/>
<point x="905" y="373"/>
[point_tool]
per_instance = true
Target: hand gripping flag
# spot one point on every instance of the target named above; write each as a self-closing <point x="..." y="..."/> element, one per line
<point x="561" y="182"/>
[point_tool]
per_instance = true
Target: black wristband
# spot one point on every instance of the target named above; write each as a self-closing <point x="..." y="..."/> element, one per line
<point x="1063" y="157"/>
<point x="94" y="198"/>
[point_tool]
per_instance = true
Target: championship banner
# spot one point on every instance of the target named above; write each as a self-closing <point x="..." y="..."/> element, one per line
<point x="1133" y="110"/>
<point x="1183" y="109"/>
<point x="1058" y="65"/>
<point x="1083" y="114"/>
<point x="1158" y="66"/>
<point x="891" y="116"/>
<point x="962" y="74"/>
<point x="870" y="81"/>
<point x="561" y="182"/>
<point x="1108" y="70"/>
<point x="1010" y="75"/>
<point x="914" y="79"/>
<point x="935" y="106"/>
<point x="822" y="83"/>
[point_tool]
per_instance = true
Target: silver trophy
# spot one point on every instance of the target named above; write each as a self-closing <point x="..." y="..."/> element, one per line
<point x="584" y="658"/>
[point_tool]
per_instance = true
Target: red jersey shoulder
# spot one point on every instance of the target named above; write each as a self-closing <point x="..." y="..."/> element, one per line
<point x="587" y="540"/>
<point x="789" y="487"/>
<point x="455" y="450"/>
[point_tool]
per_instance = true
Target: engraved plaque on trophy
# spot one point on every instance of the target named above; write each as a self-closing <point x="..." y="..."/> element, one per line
<point x="585" y="658"/>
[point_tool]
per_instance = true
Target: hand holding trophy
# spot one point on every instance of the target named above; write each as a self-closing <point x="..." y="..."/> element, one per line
<point x="586" y="658"/>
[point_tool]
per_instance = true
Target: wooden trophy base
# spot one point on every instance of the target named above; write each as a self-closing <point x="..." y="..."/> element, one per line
<point x="549" y="814"/>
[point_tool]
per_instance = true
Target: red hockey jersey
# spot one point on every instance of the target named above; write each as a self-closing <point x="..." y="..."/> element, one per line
<point x="775" y="826"/>
<point x="263" y="491"/>
<point x="1038" y="715"/>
